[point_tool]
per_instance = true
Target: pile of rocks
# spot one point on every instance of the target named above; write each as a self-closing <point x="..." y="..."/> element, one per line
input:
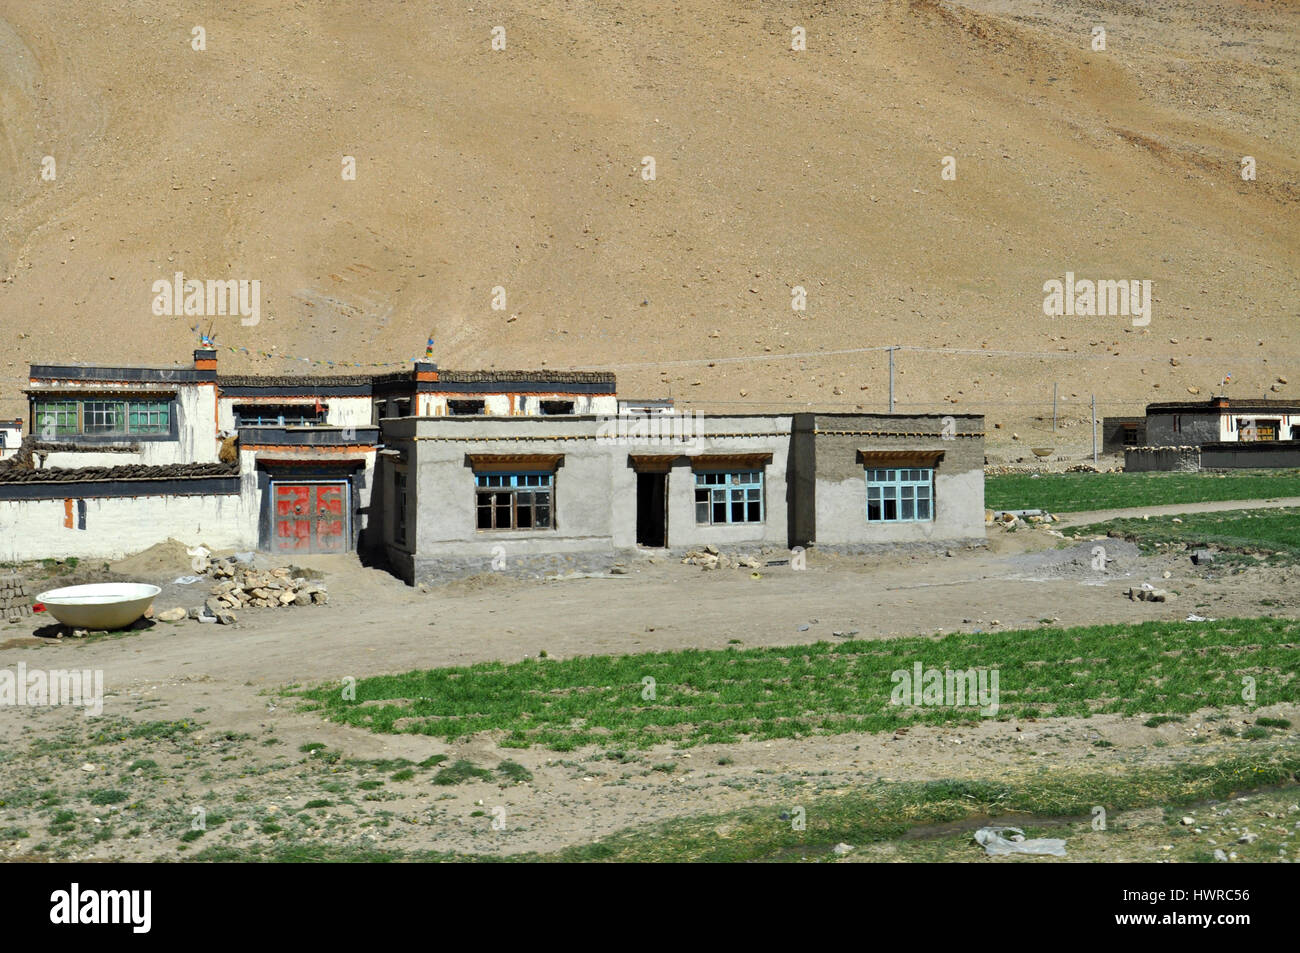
<point x="241" y="588"/>
<point x="709" y="558"/>
<point x="1016" y="519"/>
<point x="15" y="600"/>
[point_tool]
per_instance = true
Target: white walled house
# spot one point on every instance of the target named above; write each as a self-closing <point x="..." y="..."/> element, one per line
<point x="121" y="458"/>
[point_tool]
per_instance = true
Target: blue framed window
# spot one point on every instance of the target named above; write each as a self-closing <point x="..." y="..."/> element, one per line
<point x="278" y="415"/>
<point x="728" y="496"/>
<point x="514" y="500"/>
<point x="904" y="495"/>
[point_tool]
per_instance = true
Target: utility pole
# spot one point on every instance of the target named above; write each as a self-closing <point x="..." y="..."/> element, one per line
<point x="891" y="377"/>
<point x="1053" y="408"/>
<point x="1094" y="430"/>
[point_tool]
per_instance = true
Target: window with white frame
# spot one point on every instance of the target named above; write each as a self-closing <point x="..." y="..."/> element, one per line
<point x="514" y="500"/>
<point x="279" y="415"/>
<point x="900" y="495"/>
<point x="728" y="496"/>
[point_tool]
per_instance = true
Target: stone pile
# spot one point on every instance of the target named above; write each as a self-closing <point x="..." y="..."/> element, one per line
<point x="709" y="558"/>
<point x="15" y="600"/>
<point x="1011" y="520"/>
<point x="241" y="588"/>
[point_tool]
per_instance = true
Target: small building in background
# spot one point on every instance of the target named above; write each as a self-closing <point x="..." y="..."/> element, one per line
<point x="11" y="437"/>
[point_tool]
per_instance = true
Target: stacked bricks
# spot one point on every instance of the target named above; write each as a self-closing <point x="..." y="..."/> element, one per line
<point x="15" y="600"/>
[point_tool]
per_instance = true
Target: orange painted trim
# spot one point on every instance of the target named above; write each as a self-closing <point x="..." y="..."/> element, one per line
<point x="306" y="450"/>
<point x="69" y="520"/>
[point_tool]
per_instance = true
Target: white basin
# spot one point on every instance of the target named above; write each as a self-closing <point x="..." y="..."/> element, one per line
<point x="107" y="605"/>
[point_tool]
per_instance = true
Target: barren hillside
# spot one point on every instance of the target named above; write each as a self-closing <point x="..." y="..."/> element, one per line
<point x="522" y="168"/>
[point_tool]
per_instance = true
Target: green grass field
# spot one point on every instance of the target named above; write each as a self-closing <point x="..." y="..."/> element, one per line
<point x="1076" y="492"/>
<point x="1269" y="530"/>
<point x="790" y="692"/>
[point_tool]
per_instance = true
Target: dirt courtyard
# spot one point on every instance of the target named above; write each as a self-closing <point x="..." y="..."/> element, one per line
<point x="243" y="753"/>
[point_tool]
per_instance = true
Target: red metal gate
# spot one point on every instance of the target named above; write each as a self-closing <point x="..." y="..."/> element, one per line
<point x="310" y="518"/>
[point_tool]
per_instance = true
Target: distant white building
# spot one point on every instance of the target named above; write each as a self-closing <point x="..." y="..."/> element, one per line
<point x="651" y="405"/>
<point x="11" y="437"/>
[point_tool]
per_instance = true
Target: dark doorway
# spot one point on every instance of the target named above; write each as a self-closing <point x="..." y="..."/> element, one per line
<point x="651" y="509"/>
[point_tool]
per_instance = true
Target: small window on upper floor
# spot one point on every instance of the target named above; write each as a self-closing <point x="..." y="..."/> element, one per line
<point x="557" y="407"/>
<point x="466" y="408"/>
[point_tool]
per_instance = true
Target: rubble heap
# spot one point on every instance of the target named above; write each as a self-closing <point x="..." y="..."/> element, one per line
<point x="262" y="589"/>
<point x="244" y="588"/>
<point x="15" y="600"/>
<point x="710" y="558"/>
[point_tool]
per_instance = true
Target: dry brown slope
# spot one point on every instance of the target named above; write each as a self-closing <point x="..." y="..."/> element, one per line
<point x="520" y="168"/>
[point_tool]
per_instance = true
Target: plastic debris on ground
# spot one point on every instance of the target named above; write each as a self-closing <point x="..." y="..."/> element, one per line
<point x="996" y="845"/>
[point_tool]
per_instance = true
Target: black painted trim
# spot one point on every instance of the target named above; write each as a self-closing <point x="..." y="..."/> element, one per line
<point x="330" y="436"/>
<point x="166" y="375"/>
<point x="68" y="489"/>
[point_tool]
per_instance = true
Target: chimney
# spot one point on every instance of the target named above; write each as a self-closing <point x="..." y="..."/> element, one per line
<point x="1221" y="402"/>
<point x="426" y="371"/>
<point x="205" y="359"/>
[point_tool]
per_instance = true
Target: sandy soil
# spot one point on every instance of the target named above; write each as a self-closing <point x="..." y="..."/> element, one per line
<point x="775" y="169"/>
<point x="246" y="756"/>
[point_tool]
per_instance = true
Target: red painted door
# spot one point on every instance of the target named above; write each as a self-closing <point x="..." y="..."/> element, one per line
<point x="310" y="518"/>
<point x="331" y="532"/>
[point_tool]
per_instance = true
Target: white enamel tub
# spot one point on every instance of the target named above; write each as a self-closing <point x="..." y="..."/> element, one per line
<point x="108" y="605"/>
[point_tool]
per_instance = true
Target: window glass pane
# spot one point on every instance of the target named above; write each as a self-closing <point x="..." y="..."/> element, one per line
<point x="923" y="509"/>
<point x="891" y="509"/>
<point x="754" y="512"/>
<point x="701" y="510"/>
<point x="909" y="510"/>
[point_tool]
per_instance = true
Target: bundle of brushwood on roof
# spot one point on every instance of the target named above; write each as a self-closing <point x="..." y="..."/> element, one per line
<point x="559" y="377"/>
<point x="174" y="471"/>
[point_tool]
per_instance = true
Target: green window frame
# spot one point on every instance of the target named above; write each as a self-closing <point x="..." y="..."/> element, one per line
<point x="101" y="417"/>
<point x="728" y="496"/>
<point x="900" y="494"/>
<point x="56" y="418"/>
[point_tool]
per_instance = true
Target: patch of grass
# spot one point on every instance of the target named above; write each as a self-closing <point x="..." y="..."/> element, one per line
<point x="433" y="761"/>
<point x="1159" y="720"/>
<point x="318" y="802"/>
<point x="1076" y="492"/>
<point x="460" y="772"/>
<point x="514" y="771"/>
<point x="404" y="775"/>
<point x="1273" y="722"/>
<point x="1267" y="530"/>
<point x="311" y="746"/>
<point x="110" y="796"/>
<point x="1152" y="668"/>
<point x="162" y="729"/>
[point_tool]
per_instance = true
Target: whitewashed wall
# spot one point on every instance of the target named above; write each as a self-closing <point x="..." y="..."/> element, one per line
<point x="119" y="526"/>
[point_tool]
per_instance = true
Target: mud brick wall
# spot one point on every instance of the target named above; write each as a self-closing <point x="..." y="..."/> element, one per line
<point x="15" y="598"/>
